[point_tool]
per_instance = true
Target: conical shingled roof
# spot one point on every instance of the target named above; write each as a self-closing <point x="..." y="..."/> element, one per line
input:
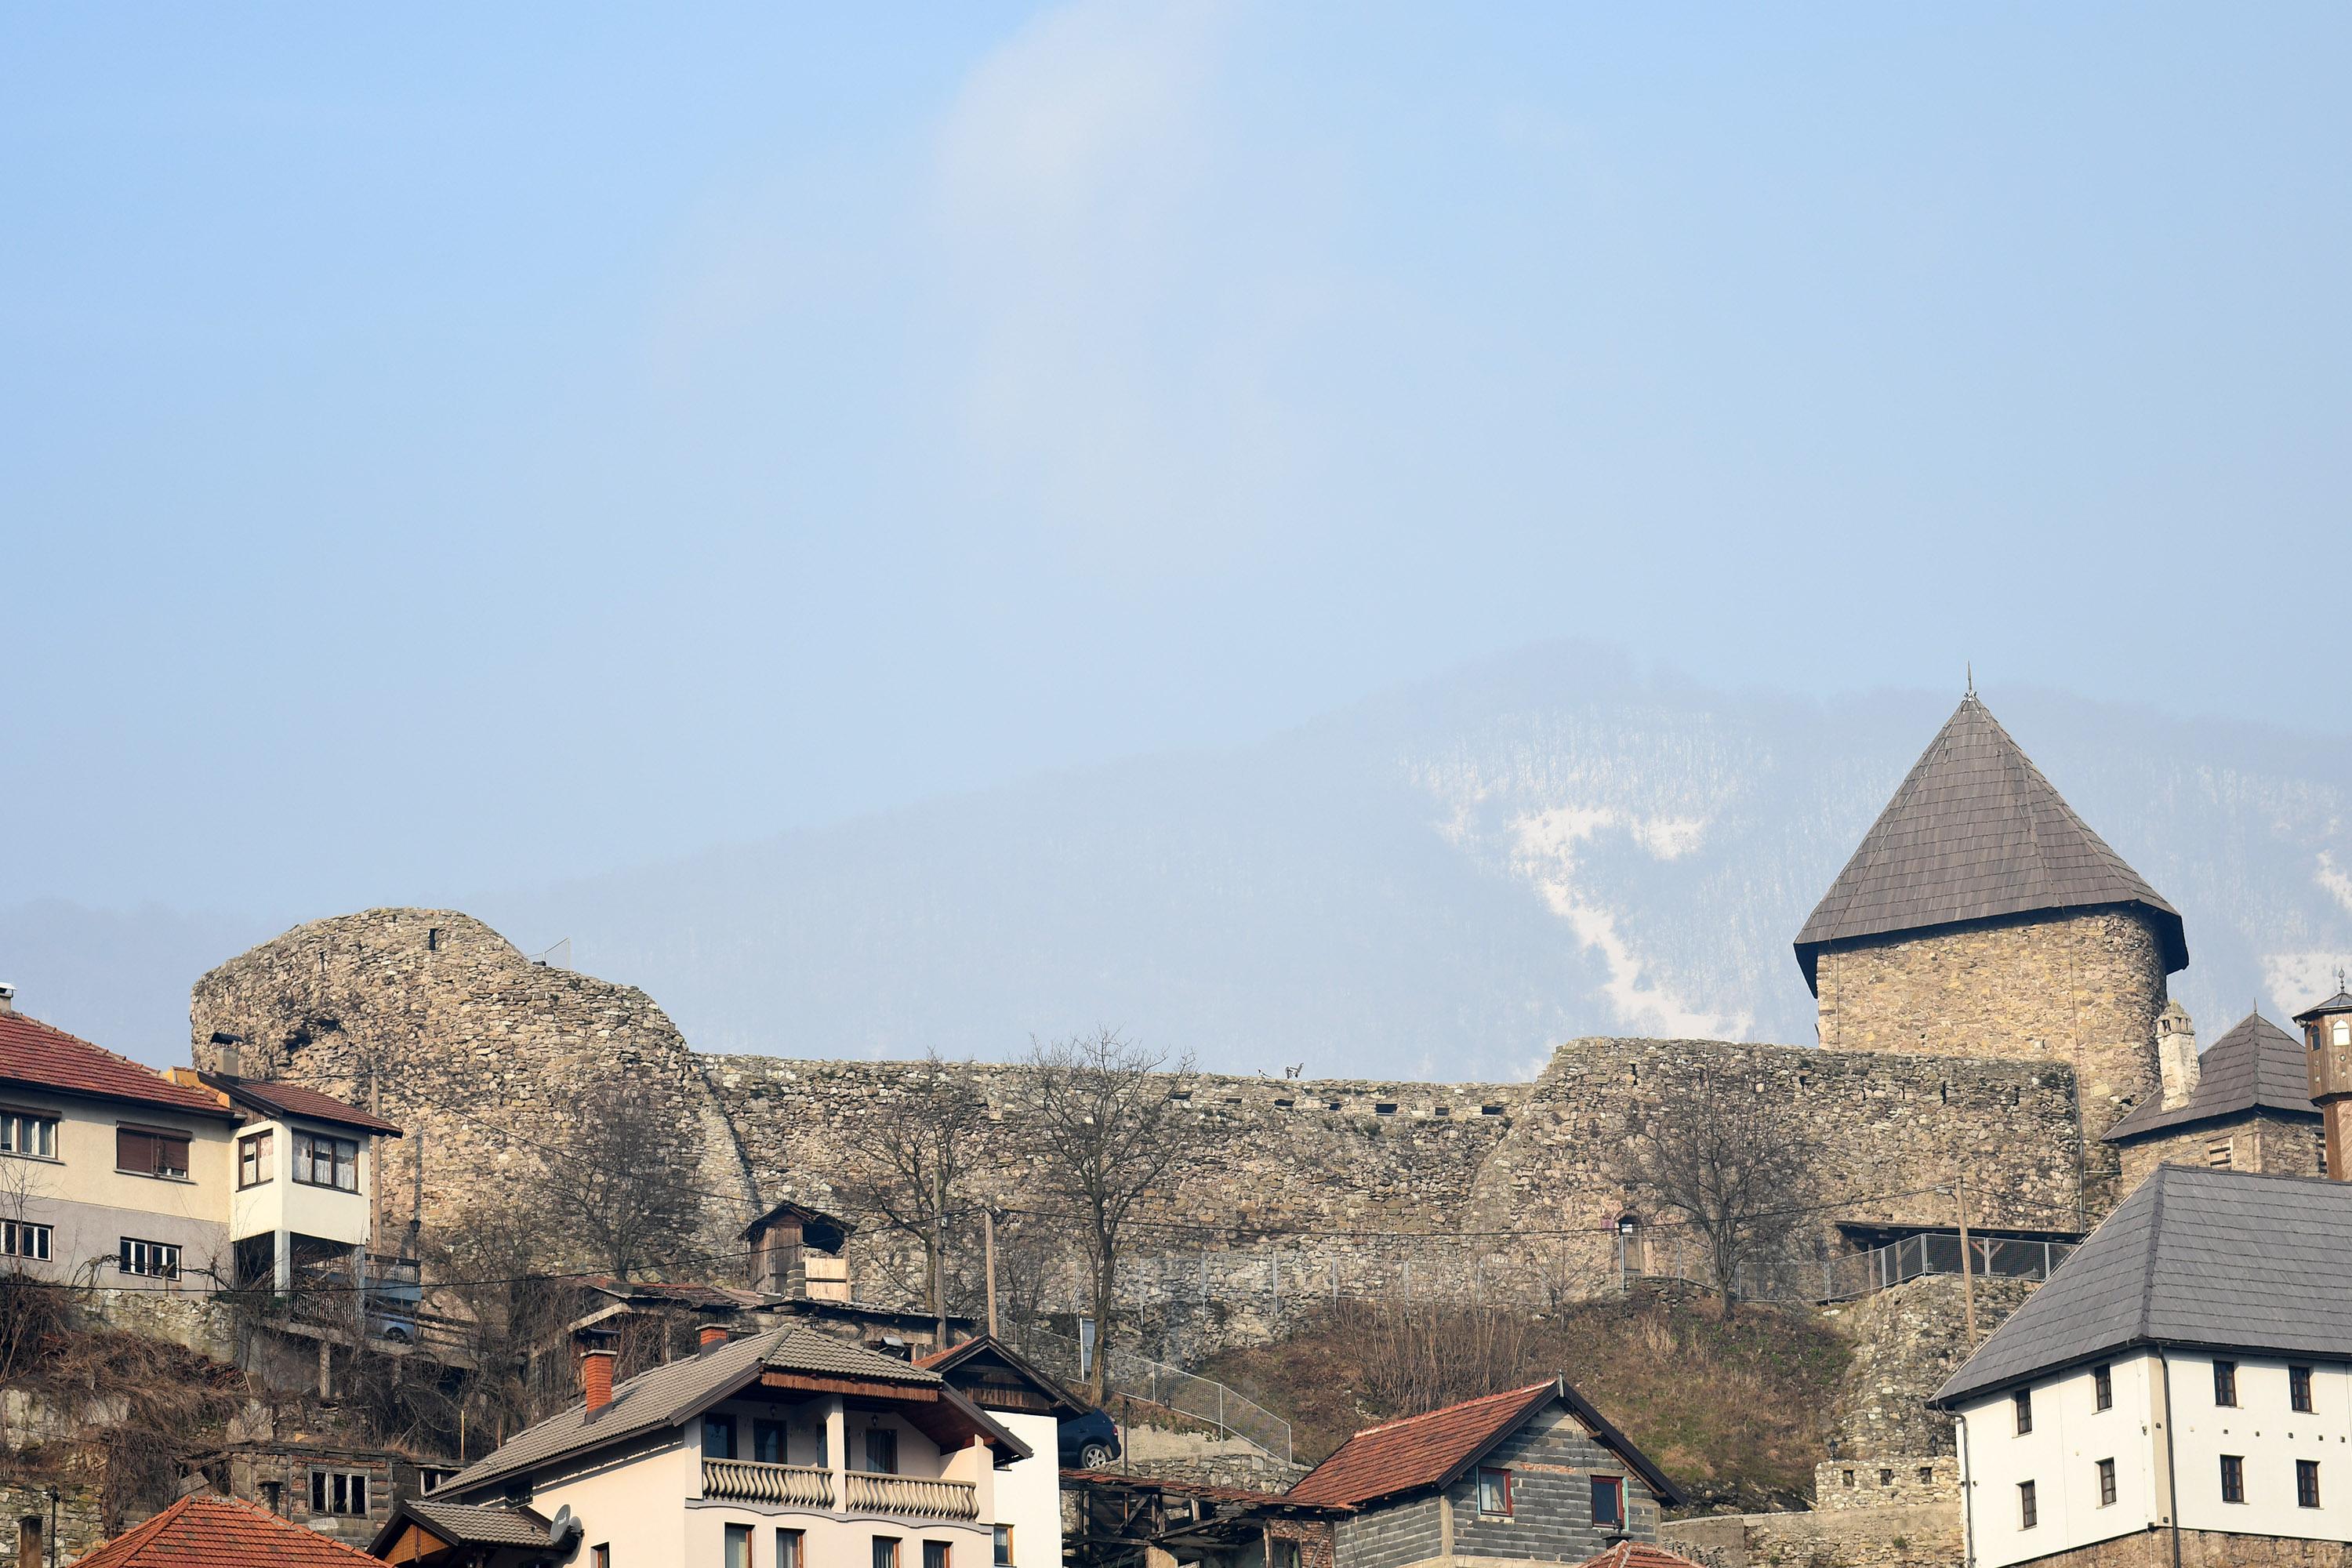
<point x="1976" y="833"/>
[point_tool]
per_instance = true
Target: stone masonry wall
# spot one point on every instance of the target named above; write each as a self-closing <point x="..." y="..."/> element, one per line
<point x="2282" y="1145"/>
<point x="447" y="1029"/>
<point x="1917" y="1535"/>
<point x="1906" y="1342"/>
<point x="1314" y="1190"/>
<point x="2085" y="990"/>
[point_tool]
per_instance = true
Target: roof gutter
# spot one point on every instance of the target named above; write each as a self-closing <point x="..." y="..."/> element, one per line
<point x="1967" y="1494"/>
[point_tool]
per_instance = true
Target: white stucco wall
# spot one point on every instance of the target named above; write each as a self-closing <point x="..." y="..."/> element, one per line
<point x="1029" y="1492"/>
<point x="2071" y="1434"/>
<point x="284" y="1204"/>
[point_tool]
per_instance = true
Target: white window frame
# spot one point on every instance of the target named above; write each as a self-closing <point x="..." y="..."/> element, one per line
<point x="339" y="1494"/>
<point x="19" y="1129"/>
<point x="23" y="1238"/>
<point x="148" y="1259"/>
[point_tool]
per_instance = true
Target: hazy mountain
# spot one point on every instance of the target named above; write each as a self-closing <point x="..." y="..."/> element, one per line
<point x="1440" y="882"/>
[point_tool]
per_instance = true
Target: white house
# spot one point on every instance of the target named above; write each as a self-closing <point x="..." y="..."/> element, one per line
<point x="1032" y="1405"/>
<point x="2188" y="1371"/>
<point x="114" y="1174"/>
<point x="783" y="1449"/>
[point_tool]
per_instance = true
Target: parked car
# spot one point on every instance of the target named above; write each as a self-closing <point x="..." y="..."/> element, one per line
<point x="1089" y="1442"/>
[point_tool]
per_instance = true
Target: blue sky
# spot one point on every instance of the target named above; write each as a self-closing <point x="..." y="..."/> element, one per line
<point x="452" y="448"/>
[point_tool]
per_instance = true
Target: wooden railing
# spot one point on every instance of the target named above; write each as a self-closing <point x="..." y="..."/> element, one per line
<point x="754" y="1482"/>
<point x="912" y="1494"/>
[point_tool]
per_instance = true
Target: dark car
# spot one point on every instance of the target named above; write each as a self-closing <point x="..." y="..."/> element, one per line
<point x="1090" y="1441"/>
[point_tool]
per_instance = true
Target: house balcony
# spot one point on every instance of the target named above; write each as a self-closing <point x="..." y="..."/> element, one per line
<point x="912" y="1495"/>
<point x="750" y="1481"/>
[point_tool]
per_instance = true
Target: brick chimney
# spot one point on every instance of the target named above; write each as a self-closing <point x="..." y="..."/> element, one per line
<point x="597" y="1357"/>
<point x="713" y="1336"/>
<point x="2176" y="1055"/>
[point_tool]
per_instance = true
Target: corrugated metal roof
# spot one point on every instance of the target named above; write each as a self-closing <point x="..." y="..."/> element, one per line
<point x="1974" y="833"/>
<point x="2226" y="1259"/>
<point x="2255" y="1066"/>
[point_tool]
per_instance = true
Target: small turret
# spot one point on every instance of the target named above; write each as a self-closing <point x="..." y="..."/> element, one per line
<point x="2328" y="1041"/>
<point x="2176" y="1055"/>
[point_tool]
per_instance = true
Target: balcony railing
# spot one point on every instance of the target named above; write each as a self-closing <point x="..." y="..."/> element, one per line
<point x="753" y="1482"/>
<point x="910" y="1494"/>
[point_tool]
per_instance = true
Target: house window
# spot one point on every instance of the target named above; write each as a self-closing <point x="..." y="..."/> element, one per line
<point x="2023" y="1400"/>
<point x="1494" y="1491"/>
<point x="2217" y="1155"/>
<point x="2225" y="1382"/>
<point x="739" y="1546"/>
<point x="881" y="1451"/>
<point x="253" y="1160"/>
<point x="1002" y="1556"/>
<point x="2234" y="1478"/>
<point x="21" y="1238"/>
<point x="341" y="1492"/>
<point x="935" y="1554"/>
<point x="143" y="1152"/>
<point x="768" y="1442"/>
<point x="2340" y="1031"/>
<point x="718" y="1436"/>
<point x="1608" y="1503"/>
<point x="29" y="1134"/>
<point x="2103" y="1388"/>
<point x="153" y="1260"/>
<point x="2029" y="1514"/>
<point x="2298" y="1388"/>
<point x="2106" y="1483"/>
<point x="886" y="1551"/>
<point x="1286" y="1553"/>
<point x="600" y="1555"/>
<point x="323" y="1162"/>
<point x="273" y="1496"/>
<point x="789" y="1545"/>
<point x="2306" y="1483"/>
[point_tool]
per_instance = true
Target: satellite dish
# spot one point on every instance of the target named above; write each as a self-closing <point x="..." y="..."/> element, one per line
<point x="563" y="1532"/>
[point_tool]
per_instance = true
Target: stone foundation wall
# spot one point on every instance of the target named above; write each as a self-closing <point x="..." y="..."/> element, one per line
<point x="1915" y="1535"/>
<point x="1906" y="1342"/>
<point x="2085" y="990"/>
<point x="2204" y="1549"/>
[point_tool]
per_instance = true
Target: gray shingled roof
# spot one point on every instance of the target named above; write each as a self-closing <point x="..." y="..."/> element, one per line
<point x="488" y="1524"/>
<point x="2257" y="1066"/>
<point x="2227" y="1259"/>
<point x="2339" y="1002"/>
<point x="1976" y="833"/>
<point x="668" y="1394"/>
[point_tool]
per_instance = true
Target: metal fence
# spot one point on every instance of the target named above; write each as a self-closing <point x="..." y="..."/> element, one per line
<point x="1841" y="1277"/>
<point x="1139" y="1377"/>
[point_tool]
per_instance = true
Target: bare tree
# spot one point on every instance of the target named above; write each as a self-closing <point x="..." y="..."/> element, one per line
<point x="914" y="1158"/>
<point x="1732" y="1162"/>
<point x="1418" y="1356"/>
<point x="1104" y="1130"/>
<point x="622" y="1189"/>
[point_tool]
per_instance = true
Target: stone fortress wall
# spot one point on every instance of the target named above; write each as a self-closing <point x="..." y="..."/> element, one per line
<point x="1317" y="1188"/>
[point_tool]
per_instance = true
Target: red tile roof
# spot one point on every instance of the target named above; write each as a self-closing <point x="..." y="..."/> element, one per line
<point x="1637" y="1554"/>
<point x="205" y="1532"/>
<point x="274" y="1098"/>
<point x="39" y="1055"/>
<point x="1419" y="1450"/>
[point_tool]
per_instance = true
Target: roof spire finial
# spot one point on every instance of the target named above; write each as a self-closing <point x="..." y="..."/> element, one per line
<point x="1971" y="669"/>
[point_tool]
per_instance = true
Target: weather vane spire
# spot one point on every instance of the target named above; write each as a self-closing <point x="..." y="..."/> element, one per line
<point x="1971" y="668"/>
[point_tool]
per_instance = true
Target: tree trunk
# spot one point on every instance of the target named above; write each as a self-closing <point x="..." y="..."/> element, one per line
<point x="1097" y="1380"/>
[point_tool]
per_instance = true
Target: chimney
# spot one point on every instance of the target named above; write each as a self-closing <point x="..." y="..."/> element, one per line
<point x="713" y="1336"/>
<point x="597" y="1357"/>
<point x="2176" y="1055"/>
<point x="7" y="999"/>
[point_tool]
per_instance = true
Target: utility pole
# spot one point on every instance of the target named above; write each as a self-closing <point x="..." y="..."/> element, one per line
<point x="940" y="1259"/>
<point x="987" y="1251"/>
<point x="1967" y="1266"/>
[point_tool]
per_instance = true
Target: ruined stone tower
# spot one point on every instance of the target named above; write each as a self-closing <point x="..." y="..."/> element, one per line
<point x="1982" y="917"/>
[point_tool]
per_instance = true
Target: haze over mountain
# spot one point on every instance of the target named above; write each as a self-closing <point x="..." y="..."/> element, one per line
<point x="1440" y="882"/>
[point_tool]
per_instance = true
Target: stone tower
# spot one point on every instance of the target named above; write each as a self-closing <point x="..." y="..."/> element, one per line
<point x="1982" y="917"/>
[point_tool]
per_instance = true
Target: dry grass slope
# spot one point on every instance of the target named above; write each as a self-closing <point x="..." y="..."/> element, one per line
<point x="1732" y="1410"/>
